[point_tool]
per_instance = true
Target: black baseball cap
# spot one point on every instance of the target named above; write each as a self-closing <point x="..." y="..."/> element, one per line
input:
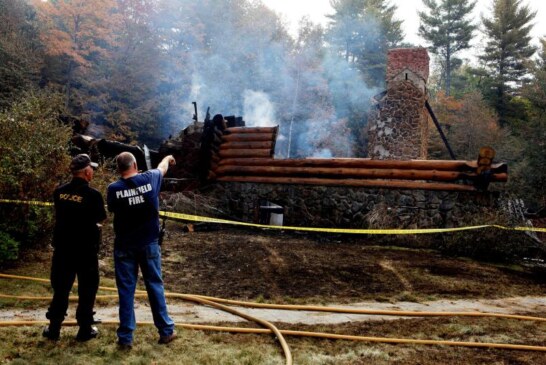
<point x="81" y="161"/>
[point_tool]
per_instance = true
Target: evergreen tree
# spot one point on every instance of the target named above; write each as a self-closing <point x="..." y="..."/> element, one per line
<point x="533" y="177"/>
<point x="506" y="53"/>
<point x="362" y="31"/>
<point x="447" y="27"/>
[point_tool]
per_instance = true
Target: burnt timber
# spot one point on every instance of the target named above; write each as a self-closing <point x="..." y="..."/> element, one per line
<point x="247" y="155"/>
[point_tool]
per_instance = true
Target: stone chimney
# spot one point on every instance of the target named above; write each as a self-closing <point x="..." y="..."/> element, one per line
<point x="398" y="123"/>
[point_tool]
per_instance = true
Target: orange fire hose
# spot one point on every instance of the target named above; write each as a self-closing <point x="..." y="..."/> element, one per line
<point x="141" y="293"/>
<point x="326" y="335"/>
<point x="212" y="301"/>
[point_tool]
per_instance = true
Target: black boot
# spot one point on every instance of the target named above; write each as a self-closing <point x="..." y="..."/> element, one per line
<point x="52" y="332"/>
<point x="86" y="333"/>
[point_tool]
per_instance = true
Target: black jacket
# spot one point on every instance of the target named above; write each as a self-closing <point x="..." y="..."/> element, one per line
<point x="78" y="209"/>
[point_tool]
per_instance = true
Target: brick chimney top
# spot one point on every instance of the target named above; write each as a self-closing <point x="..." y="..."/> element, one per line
<point x="413" y="59"/>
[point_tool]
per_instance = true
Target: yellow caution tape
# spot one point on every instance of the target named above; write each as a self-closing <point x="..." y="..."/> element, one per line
<point x="197" y="218"/>
<point x="26" y="202"/>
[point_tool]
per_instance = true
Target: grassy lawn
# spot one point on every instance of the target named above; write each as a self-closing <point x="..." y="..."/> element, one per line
<point x="193" y="264"/>
<point x="24" y="345"/>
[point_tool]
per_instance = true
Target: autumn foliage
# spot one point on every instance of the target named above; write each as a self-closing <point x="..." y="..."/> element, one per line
<point x="469" y="123"/>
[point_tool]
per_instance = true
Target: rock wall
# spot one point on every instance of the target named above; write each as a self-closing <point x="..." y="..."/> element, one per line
<point x="397" y="123"/>
<point x="319" y="206"/>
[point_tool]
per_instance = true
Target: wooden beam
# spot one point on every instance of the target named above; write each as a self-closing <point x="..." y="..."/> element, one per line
<point x="245" y="153"/>
<point x="442" y="165"/>
<point x="343" y="173"/>
<point x="383" y="184"/>
<point x="247" y="145"/>
<point x="247" y="137"/>
<point x="238" y="130"/>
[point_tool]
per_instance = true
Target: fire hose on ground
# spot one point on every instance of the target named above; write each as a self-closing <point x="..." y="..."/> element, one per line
<point x="270" y="328"/>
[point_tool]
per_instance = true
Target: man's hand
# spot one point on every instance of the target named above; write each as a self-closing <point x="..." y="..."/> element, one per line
<point x="165" y="163"/>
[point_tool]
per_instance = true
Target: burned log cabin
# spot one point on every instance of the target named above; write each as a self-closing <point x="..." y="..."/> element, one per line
<point x="396" y="187"/>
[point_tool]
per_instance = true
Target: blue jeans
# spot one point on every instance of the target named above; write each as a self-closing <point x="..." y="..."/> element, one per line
<point x="127" y="262"/>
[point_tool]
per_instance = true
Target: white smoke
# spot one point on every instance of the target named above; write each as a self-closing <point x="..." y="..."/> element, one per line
<point x="322" y="153"/>
<point x="258" y="110"/>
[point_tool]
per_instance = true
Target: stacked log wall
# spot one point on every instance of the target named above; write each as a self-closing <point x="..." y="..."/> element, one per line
<point x="348" y="192"/>
<point x="411" y="174"/>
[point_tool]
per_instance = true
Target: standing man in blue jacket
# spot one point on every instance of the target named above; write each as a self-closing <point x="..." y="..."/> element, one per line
<point x="134" y="200"/>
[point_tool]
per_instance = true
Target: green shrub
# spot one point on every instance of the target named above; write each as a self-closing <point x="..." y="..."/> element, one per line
<point x="9" y="248"/>
<point x="34" y="159"/>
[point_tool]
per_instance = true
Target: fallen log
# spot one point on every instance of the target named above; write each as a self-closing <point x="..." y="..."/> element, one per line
<point x="343" y="173"/>
<point x="84" y="142"/>
<point x="386" y="184"/>
<point x="442" y="165"/>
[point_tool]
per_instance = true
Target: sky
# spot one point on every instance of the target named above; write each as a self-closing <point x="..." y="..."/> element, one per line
<point x="293" y="10"/>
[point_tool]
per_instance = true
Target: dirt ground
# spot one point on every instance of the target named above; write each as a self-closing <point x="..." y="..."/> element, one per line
<point x="289" y="267"/>
<point x="294" y="268"/>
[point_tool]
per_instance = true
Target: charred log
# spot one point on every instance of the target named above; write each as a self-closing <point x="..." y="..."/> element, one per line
<point x="110" y="149"/>
<point x="232" y="121"/>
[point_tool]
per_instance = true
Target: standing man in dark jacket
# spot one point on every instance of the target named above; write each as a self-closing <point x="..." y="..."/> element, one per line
<point x="134" y="200"/>
<point x="78" y="211"/>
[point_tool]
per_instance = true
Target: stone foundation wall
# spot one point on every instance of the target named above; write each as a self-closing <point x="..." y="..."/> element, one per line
<point x="397" y="123"/>
<point x="343" y="207"/>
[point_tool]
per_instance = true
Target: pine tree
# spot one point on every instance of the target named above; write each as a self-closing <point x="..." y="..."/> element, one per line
<point x="362" y="31"/>
<point x="507" y="50"/>
<point x="447" y="27"/>
<point x="533" y="177"/>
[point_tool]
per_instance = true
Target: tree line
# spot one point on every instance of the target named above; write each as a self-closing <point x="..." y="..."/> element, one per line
<point x="133" y="67"/>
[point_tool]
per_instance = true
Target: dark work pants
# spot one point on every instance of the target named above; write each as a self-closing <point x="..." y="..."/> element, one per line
<point x="65" y="266"/>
